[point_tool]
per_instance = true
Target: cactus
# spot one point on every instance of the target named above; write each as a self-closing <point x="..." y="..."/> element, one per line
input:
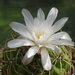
<point x="11" y="64"/>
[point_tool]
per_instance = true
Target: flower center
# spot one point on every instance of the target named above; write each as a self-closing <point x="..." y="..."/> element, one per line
<point x="39" y="35"/>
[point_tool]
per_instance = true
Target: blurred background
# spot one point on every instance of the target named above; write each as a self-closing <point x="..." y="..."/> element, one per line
<point x="10" y="10"/>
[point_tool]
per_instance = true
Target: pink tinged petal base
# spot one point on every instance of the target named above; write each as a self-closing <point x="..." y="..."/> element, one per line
<point x="32" y="51"/>
<point x="19" y="42"/>
<point x="46" y="62"/>
<point x="26" y="60"/>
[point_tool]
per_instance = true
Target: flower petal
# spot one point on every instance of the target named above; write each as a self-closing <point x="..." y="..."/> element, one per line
<point x="21" y="29"/>
<point x="59" y="24"/>
<point x="36" y="23"/>
<point x="27" y="60"/>
<point x="40" y="15"/>
<point x="52" y="47"/>
<point x="66" y="37"/>
<point x="28" y="19"/>
<point x="19" y="42"/>
<point x="27" y="15"/>
<point x="18" y="27"/>
<point x="60" y="35"/>
<point x="46" y="62"/>
<point x="57" y="49"/>
<point x="29" y="25"/>
<point x="32" y="51"/>
<point x="62" y="42"/>
<point x="52" y="16"/>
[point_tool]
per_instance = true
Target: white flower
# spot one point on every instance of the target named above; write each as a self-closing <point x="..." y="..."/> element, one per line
<point x="40" y="34"/>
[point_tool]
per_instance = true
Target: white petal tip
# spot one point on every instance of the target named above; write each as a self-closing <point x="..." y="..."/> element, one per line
<point x="47" y="68"/>
<point x="25" y="60"/>
<point x="65" y="18"/>
<point x="46" y="62"/>
<point x="25" y="63"/>
<point x="23" y="10"/>
<point x="8" y="45"/>
<point x="54" y="9"/>
<point x="39" y="9"/>
<point x="11" y="24"/>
